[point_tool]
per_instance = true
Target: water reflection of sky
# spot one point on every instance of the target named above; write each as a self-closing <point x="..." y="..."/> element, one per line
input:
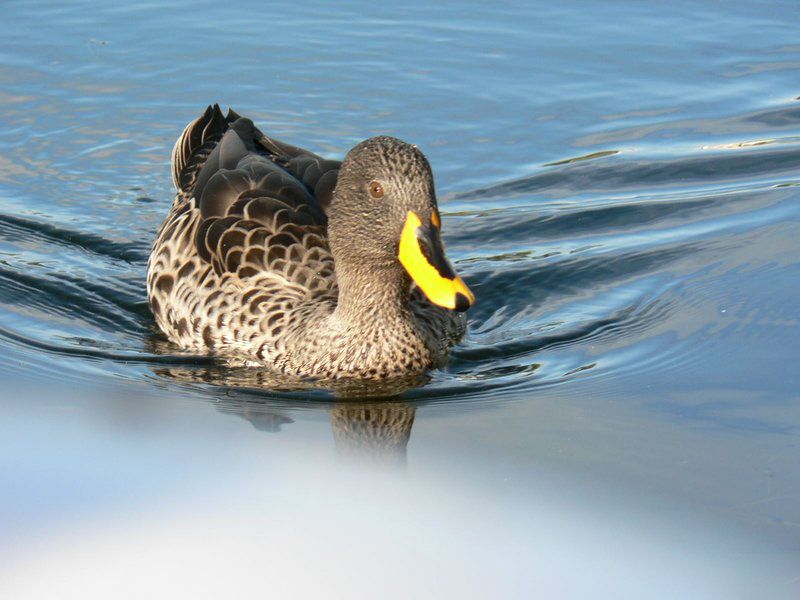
<point x="131" y="484"/>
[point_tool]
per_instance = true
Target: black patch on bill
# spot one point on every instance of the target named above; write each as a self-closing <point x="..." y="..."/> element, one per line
<point x="430" y="244"/>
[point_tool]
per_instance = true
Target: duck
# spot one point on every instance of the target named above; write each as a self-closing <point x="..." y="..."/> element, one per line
<point x="272" y="256"/>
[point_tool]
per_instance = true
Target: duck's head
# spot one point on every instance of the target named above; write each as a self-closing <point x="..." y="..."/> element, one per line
<point x="384" y="212"/>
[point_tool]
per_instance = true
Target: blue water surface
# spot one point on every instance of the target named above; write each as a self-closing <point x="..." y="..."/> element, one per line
<point x="620" y="187"/>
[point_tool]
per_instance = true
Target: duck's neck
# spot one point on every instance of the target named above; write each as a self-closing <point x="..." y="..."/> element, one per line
<point x="372" y="295"/>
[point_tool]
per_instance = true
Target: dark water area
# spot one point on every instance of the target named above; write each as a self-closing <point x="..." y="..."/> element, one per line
<point x="620" y="187"/>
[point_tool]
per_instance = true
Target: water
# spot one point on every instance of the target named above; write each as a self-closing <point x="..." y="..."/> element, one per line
<point x="619" y="187"/>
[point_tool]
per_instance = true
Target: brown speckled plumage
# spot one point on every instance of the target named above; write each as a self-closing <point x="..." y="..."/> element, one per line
<point x="273" y="256"/>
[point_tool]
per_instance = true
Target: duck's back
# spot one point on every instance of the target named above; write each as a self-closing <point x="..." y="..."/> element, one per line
<point x="246" y="239"/>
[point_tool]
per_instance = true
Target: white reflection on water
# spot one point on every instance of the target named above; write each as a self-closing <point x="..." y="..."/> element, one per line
<point x="186" y="504"/>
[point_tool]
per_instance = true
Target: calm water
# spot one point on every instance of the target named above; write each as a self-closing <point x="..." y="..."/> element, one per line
<point x="620" y="187"/>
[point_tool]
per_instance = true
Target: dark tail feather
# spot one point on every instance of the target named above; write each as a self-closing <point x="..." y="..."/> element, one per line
<point x="195" y="143"/>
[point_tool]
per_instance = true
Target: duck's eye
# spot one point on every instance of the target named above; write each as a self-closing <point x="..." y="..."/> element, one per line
<point x="376" y="189"/>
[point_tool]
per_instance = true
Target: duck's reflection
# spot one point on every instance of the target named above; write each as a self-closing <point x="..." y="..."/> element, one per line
<point x="368" y="421"/>
<point x="261" y="415"/>
<point x="374" y="431"/>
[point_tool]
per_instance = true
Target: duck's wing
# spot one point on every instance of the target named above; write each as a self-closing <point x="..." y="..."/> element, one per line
<point x="262" y="203"/>
<point x="199" y="153"/>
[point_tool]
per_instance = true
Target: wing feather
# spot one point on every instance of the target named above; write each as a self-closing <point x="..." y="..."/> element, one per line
<point x="262" y="202"/>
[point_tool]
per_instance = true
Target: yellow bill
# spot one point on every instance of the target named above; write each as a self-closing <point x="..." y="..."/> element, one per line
<point x="422" y="254"/>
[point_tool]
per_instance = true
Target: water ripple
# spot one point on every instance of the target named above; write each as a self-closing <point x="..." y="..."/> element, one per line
<point x="583" y="267"/>
<point x="12" y="227"/>
<point x="635" y="174"/>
